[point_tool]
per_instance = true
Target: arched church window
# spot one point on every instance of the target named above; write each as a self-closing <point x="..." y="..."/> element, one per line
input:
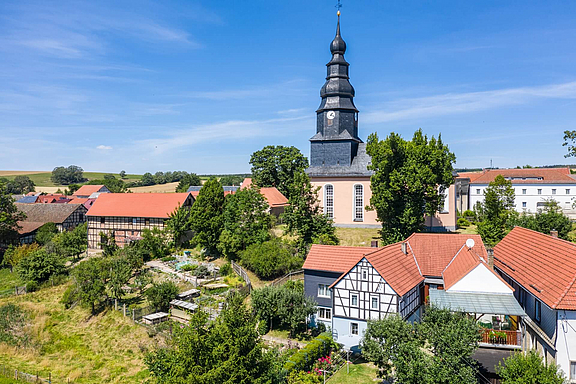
<point x="329" y="200"/>
<point x="358" y="202"/>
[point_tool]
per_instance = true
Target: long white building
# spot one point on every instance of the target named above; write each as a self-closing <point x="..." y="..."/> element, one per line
<point x="533" y="187"/>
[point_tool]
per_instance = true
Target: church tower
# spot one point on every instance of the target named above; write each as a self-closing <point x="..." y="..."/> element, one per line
<point x="335" y="143"/>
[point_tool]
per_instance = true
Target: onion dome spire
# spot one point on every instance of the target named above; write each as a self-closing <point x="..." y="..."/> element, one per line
<point x="338" y="45"/>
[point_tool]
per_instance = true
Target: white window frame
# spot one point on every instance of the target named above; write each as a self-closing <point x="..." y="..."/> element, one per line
<point x="524" y="191"/>
<point x="352" y="295"/>
<point x="523" y="204"/>
<point x="572" y="372"/>
<point x="364" y="274"/>
<point x="553" y="191"/>
<point x="324" y="291"/>
<point x="539" y="191"/>
<point x="352" y="328"/>
<point x="324" y="313"/>
<point x="355" y="203"/>
<point x="372" y="298"/>
<point x="477" y="191"/>
<point x="568" y="191"/>
<point x="328" y="210"/>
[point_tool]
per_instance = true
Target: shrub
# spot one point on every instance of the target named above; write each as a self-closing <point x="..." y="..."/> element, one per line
<point x="70" y="297"/>
<point x="160" y="295"/>
<point x="31" y="286"/>
<point x="168" y="258"/>
<point x="201" y="271"/>
<point x="12" y="322"/>
<point x="189" y="267"/>
<point x="462" y="222"/>
<point x="39" y="266"/>
<point x="271" y="259"/>
<point x="226" y="270"/>
<point x="305" y="358"/>
<point x="468" y="214"/>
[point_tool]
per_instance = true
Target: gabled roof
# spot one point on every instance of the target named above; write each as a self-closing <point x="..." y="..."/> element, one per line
<point x="87" y="190"/>
<point x="547" y="176"/>
<point x="434" y="251"/>
<point x="544" y="265"/>
<point x="334" y="258"/>
<point x="462" y="263"/>
<point x="274" y="197"/>
<point x="39" y="214"/>
<point x="28" y="200"/>
<point x="158" y="205"/>
<point x="469" y="175"/>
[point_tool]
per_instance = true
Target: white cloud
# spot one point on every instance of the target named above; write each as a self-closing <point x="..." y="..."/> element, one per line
<point x="456" y="103"/>
<point x="104" y="147"/>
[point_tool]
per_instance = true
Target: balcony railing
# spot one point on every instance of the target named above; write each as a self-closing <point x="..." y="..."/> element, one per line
<point x="492" y="336"/>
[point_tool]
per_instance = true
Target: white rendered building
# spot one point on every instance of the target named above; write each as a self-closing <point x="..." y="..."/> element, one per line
<point x="533" y="188"/>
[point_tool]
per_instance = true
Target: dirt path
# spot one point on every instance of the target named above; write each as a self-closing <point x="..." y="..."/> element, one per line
<point x="286" y="342"/>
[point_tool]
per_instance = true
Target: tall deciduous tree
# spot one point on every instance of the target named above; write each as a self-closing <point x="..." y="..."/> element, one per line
<point x="90" y="277"/>
<point x="545" y="220"/>
<point x="178" y="223"/>
<point x="9" y="217"/>
<point x="227" y="350"/>
<point x="206" y="215"/>
<point x="529" y="367"/>
<point x="246" y="222"/>
<point x="187" y="181"/>
<point x="304" y="217"/>
<point x="72" y="243"/>
<point x="67" y="175"/>
<point x="495" y="212"/>
<point x="20" y="185"/>
<point x="436" y="351"/>
<point x="276" y="166"/>
<point x="46" y="233"/>
<point x="569" y="139"/>
<point x="408" y="182"/>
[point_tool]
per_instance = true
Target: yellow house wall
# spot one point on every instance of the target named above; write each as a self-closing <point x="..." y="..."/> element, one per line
<point x="344" y="200"/>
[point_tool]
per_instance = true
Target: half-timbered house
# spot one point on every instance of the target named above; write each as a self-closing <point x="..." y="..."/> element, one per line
<point x="65" y="216"/>
<point x="353" y="285"/>
<point x="126" y="215"/>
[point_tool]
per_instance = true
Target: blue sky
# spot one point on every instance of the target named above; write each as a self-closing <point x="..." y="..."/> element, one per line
<point x="198" y="86"/>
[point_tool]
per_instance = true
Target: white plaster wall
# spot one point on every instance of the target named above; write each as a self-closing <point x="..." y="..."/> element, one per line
<point x="341" y="329"/>
<point x="481" y="279"/>
<point x="566" y="340"/>
<point x="531" y="198"/>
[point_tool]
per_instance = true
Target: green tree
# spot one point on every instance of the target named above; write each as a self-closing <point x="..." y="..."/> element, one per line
<point x="229" y="180"/>
<point x="113" y="184"/>
<point x="109" y="176"/>
<point x="187" y="181"/>
<point x="46" y="233"/>
<point x="569" y="139"/>
<point x="246" y="222"/>
<point x="9" y="217"/>
<point x="408" y="182"/>
<point x="276" y="166"/>
<point x="72" y="188"/>
<point x="271" y="259"/>
<point x="39" y="266"/>
<point x="529" y="367"/>
<point x="178" y="223"/>
<point x="122" y="174"/>
<point x="14" y="254"/>
<point x="160" y="295"/>
<point x="206" y="215"/>
<point x="108" y="244"/>
<point x="147" y="179"/>
<point x="72" y="243"/>
<point x="545" y="220"/>
<point x="67" y="175"/>
<point x="119" y="275"/>
<point x="154" y="244"/>
<point x="20" y="185"/>
<point x="304" y="217"/>
<point x="437" y="350"/>
<point x="227" y="350"/>
<point x="496" y="211"/>
<point x="284" y="306"/>
<point x="90" y="278"/>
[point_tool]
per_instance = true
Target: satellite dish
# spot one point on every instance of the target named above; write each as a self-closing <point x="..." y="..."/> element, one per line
<point x="470" y="243"/>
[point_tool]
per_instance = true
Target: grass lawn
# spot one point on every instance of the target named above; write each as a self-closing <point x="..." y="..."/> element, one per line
<point x="4" y="380"/>
<point x="470" y="230"/>
<point x="8" y="281"/>
<point x="70" y="343"/>
<point x="360" y="373"/>
<point x="357" y="237"/>
<point x="42" y="179"/>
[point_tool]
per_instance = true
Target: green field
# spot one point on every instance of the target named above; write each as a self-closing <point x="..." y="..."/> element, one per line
<point x="43" y="179"/>
<point x="69" y="343"/>
<point x="8" y="281"/>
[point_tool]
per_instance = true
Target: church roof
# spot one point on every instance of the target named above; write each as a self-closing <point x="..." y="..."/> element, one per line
<point x="358" y="168"/>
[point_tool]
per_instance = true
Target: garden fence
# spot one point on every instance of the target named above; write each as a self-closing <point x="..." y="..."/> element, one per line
<point x="294" y="275"/>
<point x="25" y="377"/>
<point x="242" y="273"/>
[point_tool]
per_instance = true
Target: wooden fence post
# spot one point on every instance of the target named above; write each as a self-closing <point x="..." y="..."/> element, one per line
<point x="115" y="304"/>
<point x="124" y="310"/>
<point x="49" y="377"/>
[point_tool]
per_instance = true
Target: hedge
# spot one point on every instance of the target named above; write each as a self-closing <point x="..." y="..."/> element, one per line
<point x="304" y="359"/>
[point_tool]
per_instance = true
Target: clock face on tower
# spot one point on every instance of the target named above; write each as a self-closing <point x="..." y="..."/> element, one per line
<point x="331" y="114"/>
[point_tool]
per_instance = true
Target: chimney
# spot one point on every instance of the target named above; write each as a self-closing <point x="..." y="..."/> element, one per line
<point x="554" y="233"/>
<point x="490" y="253"/>
<point x="374" y="243"/>
<point x="404" y="248"/>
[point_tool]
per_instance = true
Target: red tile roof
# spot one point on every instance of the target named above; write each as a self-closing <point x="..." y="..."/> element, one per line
<point x="158" y="205"/>
<point x="434" y="251"/>
<point x="334" y="258"/>
<point x="398" y="269"/>
<point x="548" y="176"/>
<point x="87" y="190"/>
<point x="274" y="197"/>
<point x="544" y="265"/>
<point x="460" y="266"/>
<point x="470" y="175"/>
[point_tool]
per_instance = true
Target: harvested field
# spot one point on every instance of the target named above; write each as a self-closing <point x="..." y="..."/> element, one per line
<point x="17" y="173"/>
<point x="160" y="188"/>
